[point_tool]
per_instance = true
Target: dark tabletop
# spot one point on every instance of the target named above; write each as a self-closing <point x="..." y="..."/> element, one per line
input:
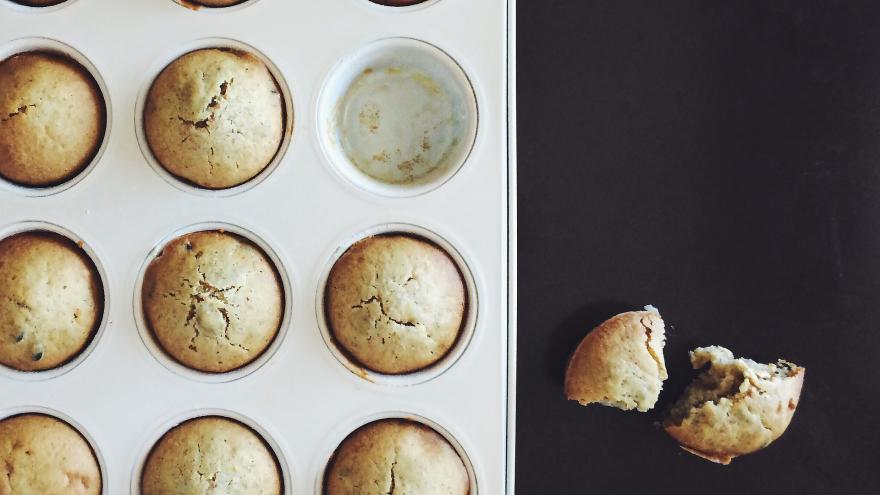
<point x="721" y="161"/>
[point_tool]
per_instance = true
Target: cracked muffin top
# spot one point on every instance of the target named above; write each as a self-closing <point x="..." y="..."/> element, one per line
<point x="395" y="303"/>
<point x="42" y="455"/>
<point x="211" y="455"/>
<point x="392" y="456"/>
<point x="51" y="300"/>
<point x="736" y="406"/>
<point x="215" y="117"/>
<point x="213" y="301"/>
<point x="620" y="363"/>
<point x="52" y="119"/>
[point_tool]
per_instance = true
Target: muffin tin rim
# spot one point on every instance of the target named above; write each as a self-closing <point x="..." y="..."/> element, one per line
<point x="83" y="432"/>
<point x="149" y="342"/>
<point x="342" y="169"/>
<point x="166" y="424"/>
<point x="168" y="56"/>
<point x="26" y="44"/>
<point x="333" y="440"/>
<point x="25" y="226"/>
<point x="360" y="374"/>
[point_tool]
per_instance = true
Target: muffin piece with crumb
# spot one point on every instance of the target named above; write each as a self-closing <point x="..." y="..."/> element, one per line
<point x="736" y="406"/>
<point x="620" y="363"/>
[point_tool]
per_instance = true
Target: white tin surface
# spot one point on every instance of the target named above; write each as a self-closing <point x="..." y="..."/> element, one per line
<point x="304" y="209"/>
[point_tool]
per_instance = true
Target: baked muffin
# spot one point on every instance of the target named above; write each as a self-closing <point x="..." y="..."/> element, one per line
<point x="211" y="455"/>
<point x="42" y="455"/>
<point x="213" y="300"/>
<point x="51" y="300"/>
<point x="734" y="407"/>
<point x="620" y="363"/>
<point x="39" y="3"/>
<point x="215" y="117"/>
<point x="52" y="118"/>
<point x="396" y="456"/>
<point x="395" y="303"/>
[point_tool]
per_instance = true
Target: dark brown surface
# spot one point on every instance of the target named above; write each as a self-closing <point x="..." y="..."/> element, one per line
<point x="720" y="160"/>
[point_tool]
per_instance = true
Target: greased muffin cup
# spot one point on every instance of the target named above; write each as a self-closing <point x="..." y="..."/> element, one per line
<point x="301" y="394"/>
<point x="397" y="117"/>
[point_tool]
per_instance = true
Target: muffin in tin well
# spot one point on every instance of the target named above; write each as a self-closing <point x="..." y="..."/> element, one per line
<point x="213" y="300"/>
<point x="395" y="303"/>
<point x="51" y="300"/>
<point x="52" y="118"/>
<point x="215" y="117"/>
<point x="42" y="455"/>
<point x="211" y="454"/>
<point x="396" y="456"/>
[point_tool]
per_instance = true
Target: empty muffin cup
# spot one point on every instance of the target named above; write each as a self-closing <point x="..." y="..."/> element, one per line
<point x="397" y="117"/>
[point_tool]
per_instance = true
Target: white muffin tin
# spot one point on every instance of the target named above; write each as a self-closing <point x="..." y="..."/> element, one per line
<point x="302" y="395"/>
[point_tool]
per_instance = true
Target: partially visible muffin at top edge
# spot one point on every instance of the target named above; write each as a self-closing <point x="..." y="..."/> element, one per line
<point x="52" y="118"/>
<point x="396" y="456"/>
<point x="202" y="454"/>
<point x="395" y="303"/>
<point x="213" y="300"/>
<point x="43" y="455"/>
<point x="51" y="300"/>
<point x="39" y="3"/>
<point x="215" y="117"/>
<point x="215" y="3"/>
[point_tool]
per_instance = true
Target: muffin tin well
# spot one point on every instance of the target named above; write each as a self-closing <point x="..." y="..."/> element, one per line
<point x="49" y="45"/>
<point x="397" y="117"/>
<point x="302" y="395"/>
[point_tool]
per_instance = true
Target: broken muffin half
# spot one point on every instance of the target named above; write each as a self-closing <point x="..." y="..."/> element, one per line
<point x="620" y="362"/>
<point x="735" y="407"/>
